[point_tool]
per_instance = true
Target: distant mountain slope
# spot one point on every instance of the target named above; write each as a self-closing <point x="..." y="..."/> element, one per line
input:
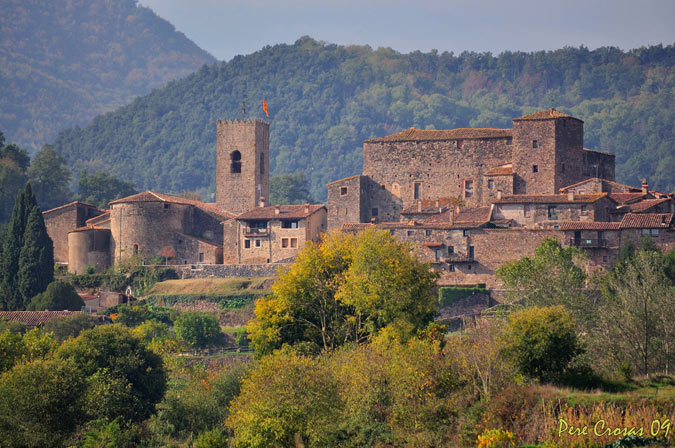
<point x="62" y="62"/>
<point x="324" y="100"/>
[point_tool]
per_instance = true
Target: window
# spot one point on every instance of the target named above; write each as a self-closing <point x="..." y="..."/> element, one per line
<point x="289" y="224"/>
<point x="294" y="243"/>
<point x="452" y="268"/>
<point x="471" y="251"/>
<point x="491" y="183"/>
<point x="374" y="212"/>
<point x="166" y="206"/>
<point x="584" y="210"/>
<point x="655" y="232"/>
<point x="468" y="266"/>
<point x="411" y="232"/>
<point x="535" y="144"/>
<point x="201" y="257"/>
<point x="466" y="232"/>
<point x="460" y="144"/>
<point x="262" y="163"/>
<point x="392" y="232"/>
<point x="509" y="141"/>
<point x="427" y="232"/>
<point x="468" y="188"/>
<point x="247" y="244"/>
<point x="417" y="190"/>
<point x="343" y="191"/>
<point x="526" y="210"/>
<point x="552" y="212"/>
<point x="257" y="243"/>
<point x="235" y="158"/>
<point x="284" y="242"/>
<point x="535" y="168"/>
<point x="604" y="258"/>
<point x="451" y="250"/>
<point x="438" y="254"/>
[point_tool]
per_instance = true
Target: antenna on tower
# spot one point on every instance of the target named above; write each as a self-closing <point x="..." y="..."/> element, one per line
<point x="243" y="106"/>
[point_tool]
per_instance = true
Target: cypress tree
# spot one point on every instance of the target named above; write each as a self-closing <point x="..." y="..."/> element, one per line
<point x="11" y="249"/>
<point x="36" y="260"/>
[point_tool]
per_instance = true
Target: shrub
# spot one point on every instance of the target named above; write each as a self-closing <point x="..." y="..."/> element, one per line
<point x="198" y="329"/>
<point x="70" y="327"/>
<point x="447" y="295"/>
<point x="58" y="296"/>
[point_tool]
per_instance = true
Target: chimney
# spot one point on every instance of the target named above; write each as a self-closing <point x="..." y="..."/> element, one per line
<point x="306" y="209"/>
<point x="499" y="194"/>
<point x="457" y="210"/>
<point x="451" y="216"/>
<point x="277" y="209"/>
<point x="262" y="201"/>
<point x="645" y="186"/>
<point x="419" y="206"/>
<point x="570" y="195"/>
<point x="438" y="203"/>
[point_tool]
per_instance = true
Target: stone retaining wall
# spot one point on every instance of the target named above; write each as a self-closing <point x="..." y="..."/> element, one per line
<point x="228" y="270"/>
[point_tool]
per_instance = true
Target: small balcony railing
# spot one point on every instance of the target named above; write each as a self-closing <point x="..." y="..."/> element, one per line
<point x="588" y="242"/>
<point x="253" y="231"/>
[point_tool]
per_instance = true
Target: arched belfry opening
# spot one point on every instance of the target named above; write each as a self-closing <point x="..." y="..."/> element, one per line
<point x="235" y="158"/>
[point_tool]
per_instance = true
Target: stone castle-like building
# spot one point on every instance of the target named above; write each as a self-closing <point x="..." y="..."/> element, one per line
<point x="468" y="200"/>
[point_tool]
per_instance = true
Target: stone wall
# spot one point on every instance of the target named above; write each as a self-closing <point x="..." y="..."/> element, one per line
<point x="441" y="168"/>
<point x="225" y="271"/>
<point x="534" y="168"/>
<point x="88" y="247"/>
<point x="240" y="183"/>
<point x="61" y="220"/>
<point x="347" y="201"/>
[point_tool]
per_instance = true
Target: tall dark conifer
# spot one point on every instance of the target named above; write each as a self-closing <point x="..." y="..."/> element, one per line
<point x="36" y="260"/>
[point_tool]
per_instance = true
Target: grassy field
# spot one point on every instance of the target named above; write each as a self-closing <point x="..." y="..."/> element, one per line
<point x="213" y="286"/>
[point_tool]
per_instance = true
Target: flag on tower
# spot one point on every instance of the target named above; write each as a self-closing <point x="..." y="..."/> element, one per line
<point x="265" y="108"/>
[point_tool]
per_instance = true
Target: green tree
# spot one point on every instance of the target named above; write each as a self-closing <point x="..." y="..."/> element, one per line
<point x="542" y="341"/>
<point x="100" y="188"/>
<point x="12" y="244"/>
<point x="40" y="404"/>
<point x="198" y="329"/>
<point x="345" y="289"/>
<point x="69" y="327"/>
<point x="50" y="178"/>
<point x="58" y="296"/>
<point x="117" y="363"/>
<point x="14" y="162"/>
<point x="553" y="276"/>
<point x="36" y="259"/>
<point x="289" y="189"/>
<point x="636" y="323"/>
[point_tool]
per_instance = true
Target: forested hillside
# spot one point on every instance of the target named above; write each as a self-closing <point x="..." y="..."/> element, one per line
<point x="62" y="62"/>
<point x="324" y="100"/>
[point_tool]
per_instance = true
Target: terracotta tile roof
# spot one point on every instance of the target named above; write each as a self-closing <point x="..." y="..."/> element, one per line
<point x="33" y="318"/>
<point x="646" y="204"/>
<point x="616" y="185"/>
<point x="356" y="225"/>
<point x="419" y="135"/>
<point x="589" y="225"/>
<point x="89" y="227"/>
<point x="549" y="198"/>
<point x="599" y="152"/>
<point x="501" y="170"/>
<point x="475" y="215"/>
<point x="430" y="206"/>
<point x="70" y="204"/>
<point x="434" y="244"/>
<point x="624" y="198"/>
<point x="544" y="115"/>
<point x="150" y="196"/>
<point x="100" y="219"/>
<point x="285" y="212"/>
<point x="647" y="220"/>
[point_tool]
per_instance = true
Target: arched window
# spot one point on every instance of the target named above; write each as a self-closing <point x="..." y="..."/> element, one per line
<point x="235" y="167"/>
<point x="262" y="163"/>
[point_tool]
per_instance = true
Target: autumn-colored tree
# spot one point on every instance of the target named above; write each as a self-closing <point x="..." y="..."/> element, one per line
<point x="347" y="288"/>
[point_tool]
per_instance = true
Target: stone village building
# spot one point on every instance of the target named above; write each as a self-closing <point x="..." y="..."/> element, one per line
<point x="466" y="199"/>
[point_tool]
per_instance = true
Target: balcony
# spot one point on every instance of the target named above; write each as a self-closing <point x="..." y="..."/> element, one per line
<point x="590" y="243"/>
<point x="255" y="231"/>
<point x="459" y="258"/>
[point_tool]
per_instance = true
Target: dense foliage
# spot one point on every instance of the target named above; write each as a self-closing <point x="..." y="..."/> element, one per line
<point x="27" y="256"/>
<point x="197" y="329"/>
<point x="58" y="296"/>
<point x="346" y="289"/>
<point x="65" y="61"/>
<point x="100" y="188"/>
<point x="324" y="100"/>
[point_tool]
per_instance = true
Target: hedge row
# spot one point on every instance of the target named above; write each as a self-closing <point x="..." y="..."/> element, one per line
<point x="229" y="301"/>
<point x="447" y="295"/>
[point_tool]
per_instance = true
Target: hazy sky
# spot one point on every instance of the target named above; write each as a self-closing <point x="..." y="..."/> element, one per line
<point x="227" y="28"/>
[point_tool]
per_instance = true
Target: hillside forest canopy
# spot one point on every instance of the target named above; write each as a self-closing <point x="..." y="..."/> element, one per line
<point x="325" y="99"/>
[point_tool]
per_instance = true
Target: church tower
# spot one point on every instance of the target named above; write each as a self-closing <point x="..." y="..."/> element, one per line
<point x="242" y="166"/>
